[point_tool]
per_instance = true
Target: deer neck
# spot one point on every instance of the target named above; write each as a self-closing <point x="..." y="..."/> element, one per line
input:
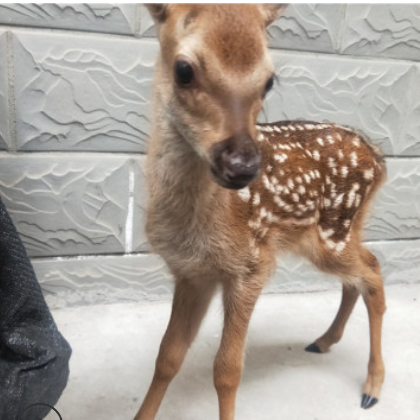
<point x="179" y="179"/>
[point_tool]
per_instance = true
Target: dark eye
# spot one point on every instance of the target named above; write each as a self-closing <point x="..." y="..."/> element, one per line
<point x="269" y="85"/>
<point x="184" y="73"/>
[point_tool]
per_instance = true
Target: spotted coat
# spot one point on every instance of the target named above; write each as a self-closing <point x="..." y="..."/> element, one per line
<point x="312" y="174"/>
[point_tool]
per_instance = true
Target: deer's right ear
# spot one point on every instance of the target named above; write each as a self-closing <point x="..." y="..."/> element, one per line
<point x="271" y="11"/>
<point x="158" y="11"/>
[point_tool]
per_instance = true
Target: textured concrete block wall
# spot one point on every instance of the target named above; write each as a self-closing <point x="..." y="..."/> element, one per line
<point x="75" y="90"/>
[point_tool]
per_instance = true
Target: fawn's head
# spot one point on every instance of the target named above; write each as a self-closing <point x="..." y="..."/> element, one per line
<point x="211" y="79"/>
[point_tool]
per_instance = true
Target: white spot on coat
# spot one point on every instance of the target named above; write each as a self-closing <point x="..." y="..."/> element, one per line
<point x="340" y="246"/>
<point x="256" y="200"/>
<point x="280" y="158"/>
<point x="244" y="194"/>
<point x="353" y="159"/>
<point x="338" y="200"/>
<point x="368" y="174"/>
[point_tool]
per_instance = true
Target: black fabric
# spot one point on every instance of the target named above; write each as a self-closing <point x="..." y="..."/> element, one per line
<point x="34" y="355"/>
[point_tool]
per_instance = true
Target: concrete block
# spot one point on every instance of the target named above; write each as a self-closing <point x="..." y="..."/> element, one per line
<point x="4" y="89"/>
<point x="411" y="127"/>
<point x="147" y="25"/>
<point x="396" y="210"/>
<point x="93" y="17"/>
<point x="376" y="97"/>
<point x="67" y="204"/>
<point x="382" y="30"/>
<point x="308" y="27"/>
<point x="82" y="92"/>
<point x="400" y="263"/>
<point x="93" y="280"/>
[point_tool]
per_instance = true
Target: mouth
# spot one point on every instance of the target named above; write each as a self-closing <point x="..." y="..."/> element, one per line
<point x="233" y="182"/>
<point x="235" y="162"/>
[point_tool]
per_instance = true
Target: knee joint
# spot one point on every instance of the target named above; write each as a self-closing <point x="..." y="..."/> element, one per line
<point x="227" y="375"/>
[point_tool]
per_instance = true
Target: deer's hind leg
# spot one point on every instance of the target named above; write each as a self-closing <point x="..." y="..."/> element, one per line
<point x="334" y="333"/>
<point x="361" y="274"/>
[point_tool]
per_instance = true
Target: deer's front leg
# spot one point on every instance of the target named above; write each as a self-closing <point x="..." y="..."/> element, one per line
<point x="191" y="300"/>
<point x="239" y="302"/>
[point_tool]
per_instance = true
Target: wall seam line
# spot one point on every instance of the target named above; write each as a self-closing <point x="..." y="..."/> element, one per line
<point x="11" y="100"/>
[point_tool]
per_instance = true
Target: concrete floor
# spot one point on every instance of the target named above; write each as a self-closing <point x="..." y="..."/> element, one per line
<point x="114" y="348"/>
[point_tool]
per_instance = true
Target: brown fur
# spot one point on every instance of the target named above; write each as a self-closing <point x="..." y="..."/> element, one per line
<point x="311" y="194"/>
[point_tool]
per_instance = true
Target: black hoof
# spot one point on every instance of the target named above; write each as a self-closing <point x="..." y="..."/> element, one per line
<point x="368" y="401"/>
<point x="313" y="348"/>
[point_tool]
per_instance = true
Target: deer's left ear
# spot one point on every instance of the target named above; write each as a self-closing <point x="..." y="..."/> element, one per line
<point x="158" y="11"/>
<point x="272" y="11"/>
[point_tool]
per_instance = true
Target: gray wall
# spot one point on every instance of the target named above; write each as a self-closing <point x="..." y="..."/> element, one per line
<point x="75" y="88"/>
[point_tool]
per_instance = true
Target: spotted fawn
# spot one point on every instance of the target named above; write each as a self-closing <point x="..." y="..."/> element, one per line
<point x="228" y="195"/>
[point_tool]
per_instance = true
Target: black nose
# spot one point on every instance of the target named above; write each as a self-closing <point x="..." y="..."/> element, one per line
<point x="236" y="161"/>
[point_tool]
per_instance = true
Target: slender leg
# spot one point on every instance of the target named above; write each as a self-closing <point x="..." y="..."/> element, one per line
<point x="190" y="304"/>
<point x="335" y="332"/>
<point x="238" y="305"/>
<point x="365" y="267"/>
<point x="375" y="303"/>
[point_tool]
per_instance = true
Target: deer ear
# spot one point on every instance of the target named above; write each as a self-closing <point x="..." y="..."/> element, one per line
<point x="272" y="11"/>
<point x="158" y="11"/>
